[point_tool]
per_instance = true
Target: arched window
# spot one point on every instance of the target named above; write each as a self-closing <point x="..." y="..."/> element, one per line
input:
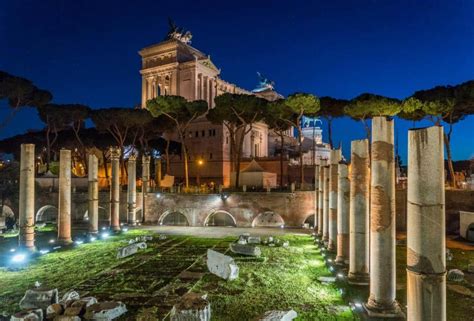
<point x="158" y="90"/>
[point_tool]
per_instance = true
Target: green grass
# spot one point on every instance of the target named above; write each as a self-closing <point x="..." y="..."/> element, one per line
<point x="284" y="278"/>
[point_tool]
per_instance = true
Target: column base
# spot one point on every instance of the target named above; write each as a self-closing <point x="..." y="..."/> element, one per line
<point x="341" y="260"/>
<point x="358" y="278"/>
<point x="377" y="310"/>
<point x="93" y="232"/>
<point x="65" y="241"/>
<point x="132" y="223"/>
<point x="332" y="247"/>
<point x="115" y="228"/>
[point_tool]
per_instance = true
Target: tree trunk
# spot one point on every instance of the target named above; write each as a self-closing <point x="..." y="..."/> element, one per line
<point x="48" y="149"/>
<point x="104" y="157"/>
<point x="447" y="144"/>
<point x="239" y="156"/>
<point x="167" y="155"/>
<point x="184" y="152"/>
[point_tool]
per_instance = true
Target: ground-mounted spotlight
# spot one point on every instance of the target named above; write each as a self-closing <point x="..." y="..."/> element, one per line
<point x="52" y="241"/>
<point x="125" y="229"/>
<point x="103" y="228"/>
<point x="340" y="276"/>
<point x="282" y="226"/>
<point x="329" y="260"/>
<point x="358" y="305"/>
<point x="224" y="196"/>
<point x="43" y="252"/>
<point x="105" y="235"/>
<point x="78" y="242"/>
<point x="57" y="247"/>
<point x="19" y="258"/>
<point x="12" y="250"/>
<point x="92" y="238"/>
<point x="158" y="195"/>
<point x="331" y="269"/>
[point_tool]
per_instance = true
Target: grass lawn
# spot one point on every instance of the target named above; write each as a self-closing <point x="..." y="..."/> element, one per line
<point x="149" y="285"/>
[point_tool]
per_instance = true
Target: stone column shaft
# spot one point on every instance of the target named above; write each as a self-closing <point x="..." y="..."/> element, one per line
<point x="359" y="213"/>
<point x="27" y="197"/>
<point x="64" y="208"/>
<point x="145" y="182"/>
<point x="115" y="189"/>
<point x="426" y="242"/>
<point x="132" y="190"/>
<point x="335" y="158"/>
<point x="382" y="221"/>
<point x="93" y="189"/>
<point x="321" y="196"/>
<point x="326" y="204"/>
<point x="343" y="214"/>
<point x="158" y="172"/>
<point x="316" y="195"/>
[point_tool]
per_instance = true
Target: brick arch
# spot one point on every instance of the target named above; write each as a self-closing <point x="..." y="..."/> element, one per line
<point x="40" y="212"/>
<point x="310" y="219"/>
<point x="268" y="218"/>
<point x="102" y="209"/>
<point x="167" y="213"/>
<point x="215" y="212"/>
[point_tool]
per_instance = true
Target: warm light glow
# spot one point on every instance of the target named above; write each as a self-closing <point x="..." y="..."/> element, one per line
<point x="200" y="162"/>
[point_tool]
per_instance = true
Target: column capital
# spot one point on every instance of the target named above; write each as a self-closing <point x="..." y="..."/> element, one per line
<point x="145" y="159"/>
<point x="114" y="152"/>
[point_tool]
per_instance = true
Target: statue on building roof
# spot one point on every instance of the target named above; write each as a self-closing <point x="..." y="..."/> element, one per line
<point x="264" y="83"/>
<point x="178" y="33"/>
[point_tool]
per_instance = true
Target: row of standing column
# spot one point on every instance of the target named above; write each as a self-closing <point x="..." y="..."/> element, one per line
<point x="355" y="216"/>
<point x="27" y="194"/>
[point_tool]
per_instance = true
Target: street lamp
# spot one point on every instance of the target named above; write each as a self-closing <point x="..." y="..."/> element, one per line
<point x="200" y="162"/>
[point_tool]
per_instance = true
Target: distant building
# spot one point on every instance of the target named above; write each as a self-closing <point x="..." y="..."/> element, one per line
<point x="174" y="67"/>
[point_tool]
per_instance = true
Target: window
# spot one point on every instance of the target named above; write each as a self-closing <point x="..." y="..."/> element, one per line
<point x="210" y="132"/>
<point x="213" y="132"/>
<point x="158" y="90"/>
<point x="196" y="134"/>
<point x="203" y="133"/>
<point x="210" y="156"/>
<point x="227" y="139"/>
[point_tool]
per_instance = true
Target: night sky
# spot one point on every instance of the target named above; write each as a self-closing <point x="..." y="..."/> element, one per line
<point x="86" y="51"/>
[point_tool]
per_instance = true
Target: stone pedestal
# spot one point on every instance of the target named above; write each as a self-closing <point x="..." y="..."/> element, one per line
<point x="132" y="190"/>
<point x="27" y="197"/>
<point x="326" y="204"/>
<point x="93" y="190"/>
<point x="334" y="159"/>
<point x="64" y="208"/>
<point x="342" y="257"/>
<point x="359" y="213"/>
<point x="426" y="242"/>
<point x="381" y="302"/>
<point x="322" y="164"/>
<point x="145" y="183"/>
<point x="115" y="189"/>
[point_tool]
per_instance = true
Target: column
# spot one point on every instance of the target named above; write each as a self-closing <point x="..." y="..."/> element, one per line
<point x="64" y="208"/>
<point x="27" y="197"/>
<point x="359" y="213"/>
<point x="326" y="204"/>
<point x="381" y="301"/>
<point x="115" y="189"/>
<point x="145" y="180"/>
<point x="144" y="98"/>
<point x="158" y="172"/>
<point x="426" y="241"/>
<point x="343" y="186"/>
<point x="93" y="189"/>
<point x="322" y="165"/>
<point x="334" y="158"/>
<point x="316" y="195"/>
<point x="132" y="189"/>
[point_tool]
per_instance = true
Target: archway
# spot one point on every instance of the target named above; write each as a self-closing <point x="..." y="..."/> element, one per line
<point x="174" y="218"/>
<point x="309" y="220"/>
<point x="268" y="219"/>
<point x="47" y="213"/>
<point x="220" y="218"/>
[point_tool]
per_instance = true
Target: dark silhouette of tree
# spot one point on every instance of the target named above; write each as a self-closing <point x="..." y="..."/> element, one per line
<point x="182" y="113"/>
<point x="301" y="104"/>
<point x="330" y="109"/>
<point x="20" y="92"/>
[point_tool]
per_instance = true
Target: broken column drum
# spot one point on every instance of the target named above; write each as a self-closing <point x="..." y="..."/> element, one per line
<point x="335" y="158"/>
<point x="359" y="213"/>
<point x="322" y="164"/>
<point x="27" y="197"/>
<point x="426" y="242"/>
<point x="64" y="208"/>
<point x="93" y="191"/>
<point x="115" y="189"/>
<point x="132" y="189"/>
<point x="382" y="301"/>
<point x="343" y="214"/>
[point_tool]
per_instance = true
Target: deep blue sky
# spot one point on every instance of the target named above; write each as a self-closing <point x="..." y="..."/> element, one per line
<point x="86" y="51"/>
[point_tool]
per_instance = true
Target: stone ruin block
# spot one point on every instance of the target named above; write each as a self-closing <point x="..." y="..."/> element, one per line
<point x="28" y="315"/>
<point x="245" y="249"/>
<point x="39" y="298"/>
<point x="144" y="238"/>
<point x="54" y="310"/>
<point x="278" y="316"/>
<point x="254" y="240"/>
<point x="105" y="311"/>
<point x="130" y="249"/>
<point x="66" y="318"/>
<point x="70" y="295"/>
<point x="192" y="307"/>
<point x="222" y="265"/>
<point x="162" y="237"/>
<point x="455" y="275"/>
<point x="242" y="240"/>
